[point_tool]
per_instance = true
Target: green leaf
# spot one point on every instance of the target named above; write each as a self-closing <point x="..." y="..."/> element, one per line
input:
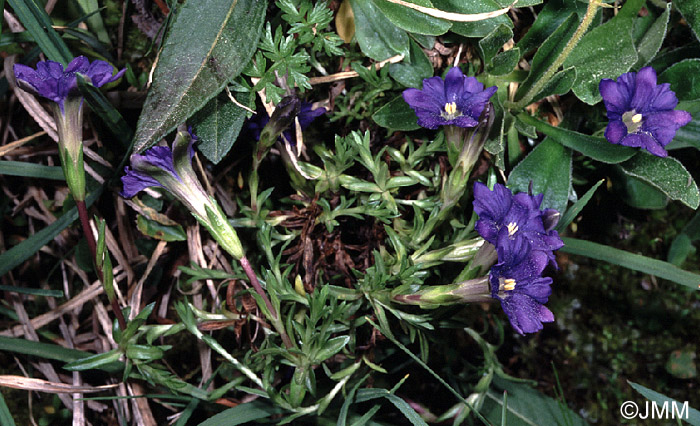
<point x="652" y="39"/>
<point x="377" y="36"/>
<point x="548" y="167"/>
<point x="33" y="291"/>
<point x="600" y="55"/>
<point x="217" y="125"/>
<point x="24" y="169"/>
<point x="690" y="9"/>
<point x="526" y="406"/>
<point x="596" y="148"/>
<point x="106" y="111"/>
<point x="560" y="83"/>
<point x="551" y="17"/>
<point x="493" y="42"/>
<point x="478" y="28"/>
<point x="413" y="20"/>
<point x="681" y="248"/>
<point x="547" y="54"/>
<point x="572" y="212"/>
<point x="641" y="195"/>
<point x="504" y="62"/>
<point x="688" y="135"/>
<point x="159" y="231"/>
<point x="413" y="69"/>
<point x="665" y="174"/>
<point x="94" y="20"/>
<point x="248" y="412"/>
<point x="49" y="351"/>
<point x="5" y="415"/>
<point x="396" y="115"/>
<point x="691" y="416"/>
<point x="364" y="395"/>
<point x="331" y="347"/>
<point x="39" y="25"/>
<point x="684" y="79"/>
<point x="681" y="364"/>
<point x="208" y="45"/>
<point x="96" y="361"/>
<point x="19" y="253"/>
<point x="632" y="261"/>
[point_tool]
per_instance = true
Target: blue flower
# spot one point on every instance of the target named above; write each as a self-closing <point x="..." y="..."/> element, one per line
<point x="641" y="112"/>
<point x="52" y="81"/>
<point x="517" y="282"/>
<point x="504" y="216"/>
<point x="457" y="100"/>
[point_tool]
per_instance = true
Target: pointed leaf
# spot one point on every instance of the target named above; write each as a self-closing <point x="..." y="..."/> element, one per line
<point x="217" y="125"/>
<point x="377" y="36"/>
<point x="208" y="45"/>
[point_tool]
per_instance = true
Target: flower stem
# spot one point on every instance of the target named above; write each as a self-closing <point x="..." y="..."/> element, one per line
<point x="578" y="34"/>
<point x="275" y="319"/>
<point x="92" y="245"/>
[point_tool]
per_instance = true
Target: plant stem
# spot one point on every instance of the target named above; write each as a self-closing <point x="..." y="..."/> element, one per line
<point x="92" y="245"/>
<point x="578" y="34"/>
<point x="258" y="289"/>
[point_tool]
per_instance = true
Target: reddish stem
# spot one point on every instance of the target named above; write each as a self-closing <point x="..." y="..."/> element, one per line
<point x="92" y="245"/>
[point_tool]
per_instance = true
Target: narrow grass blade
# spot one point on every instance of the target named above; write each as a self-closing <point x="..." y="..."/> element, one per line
<point x="32" y="291"/>
<point x="5" y="416"/>
<point x="632" y="261"/>
<point x="24" y="169"/>
<point x="109" y="115"/>
<point x="40" y="26"/>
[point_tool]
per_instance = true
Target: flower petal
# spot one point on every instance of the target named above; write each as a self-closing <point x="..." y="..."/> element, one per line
<point x="615" y="131"/>
<point x="454" y="85"/>
<point x="614" y="95"/>
<point x="645" y="85"/>
<point x="133" y="182"/>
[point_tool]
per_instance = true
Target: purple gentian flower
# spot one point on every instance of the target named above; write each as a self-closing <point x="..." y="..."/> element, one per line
<point x="641" y="113"/>
<point x="504" y="216"/>
<point x="457" y="100"/>
<point x="172" y="170"/>
<point x="517" y="282"/>
<point x="52" y="81"/>
<point x="307" y="114"/>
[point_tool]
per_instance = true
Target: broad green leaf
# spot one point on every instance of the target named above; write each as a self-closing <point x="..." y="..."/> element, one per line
<point x="600" y="55"/>
<point x="551" y="17"/>
<point x="377" y="36"/>
<point x="632" y="261"/>
<point x="688" y="135"/>
<point x="572" y="212"/>
<point x="560" y="83"/>
<point x="504" y="63"/>
<point x="413" y="20"/>
<point x="97" y="361"/>
<point x="24" y="169"/>
<point x="478" y="28"/>
<point x="494" y="41"/>
<point x="684" y="78"/>
<point x="159" y="231"/>
<point x="40" y="26"/>
<point x="19" y="253"/>
<point x="217" y="125"/>
<point x="526" y="406"/>
<point x="596" y="148"/>
<point x="106" y="111"/>
<point x="413" y="69"/>
<point x="209" y="43"/>
<point x="242" y="413"/>
<point x="641" y="195"/>
<point x="665" y="174"/>
<point x="396" y="115"/>
<point x="548" y="168"/>
<point x="690" y="9"/>
<point x="691" y="416"/>
<point x="547" y="54"/>
<point x="652" y="39"/>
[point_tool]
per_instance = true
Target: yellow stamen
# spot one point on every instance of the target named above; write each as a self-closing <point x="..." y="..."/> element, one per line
<point x="637" y="118"/>
<point x="509" y="284"/>
<point x="450" y="108"/>
<point x="512" y="229"/>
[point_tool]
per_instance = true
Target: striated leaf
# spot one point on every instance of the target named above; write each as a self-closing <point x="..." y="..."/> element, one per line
<point x="397" y="115"/>
<point x="208" y="45"/>
<point x="217" y="125"/>
<point x="665" y="174"/>
<point x="413" y="20"/>
<point x="40" y="26"/>
<point x="478" y="28"/>
<point x="600" y="55"/>
<point x="548" y="169"/>
<point x="377" y="36"/>
<point x="689" y="415"/>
